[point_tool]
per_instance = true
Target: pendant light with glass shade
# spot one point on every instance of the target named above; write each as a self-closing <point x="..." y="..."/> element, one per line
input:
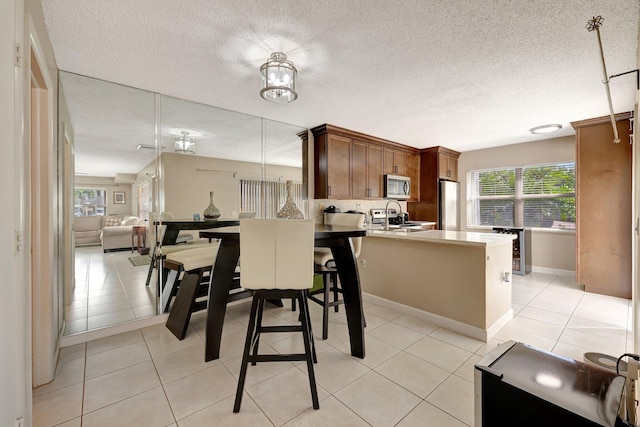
<point x="185" y="144"/>
<point x="278" y="79"/>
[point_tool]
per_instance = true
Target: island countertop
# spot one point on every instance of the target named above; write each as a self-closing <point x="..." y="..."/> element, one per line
<point x="463" y="238"/>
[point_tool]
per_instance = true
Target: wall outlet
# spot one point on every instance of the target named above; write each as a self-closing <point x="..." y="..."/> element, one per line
<point x="19" y="422"/>
<point x="363" y="263"/>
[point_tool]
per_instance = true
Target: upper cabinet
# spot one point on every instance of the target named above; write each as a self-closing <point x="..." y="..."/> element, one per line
<point x="448" y="164"/>
<point x="395" y="162"/>
<point x="351" y="165"/>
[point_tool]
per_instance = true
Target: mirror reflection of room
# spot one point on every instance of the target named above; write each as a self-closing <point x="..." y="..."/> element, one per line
<point x="124" y="180"/>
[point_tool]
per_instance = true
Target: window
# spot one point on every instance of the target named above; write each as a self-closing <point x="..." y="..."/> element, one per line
<point x="90" y="201"/>
<point x="541" y="196"/>
<point x="266" y="198"/>
<point x="144" y="199"/>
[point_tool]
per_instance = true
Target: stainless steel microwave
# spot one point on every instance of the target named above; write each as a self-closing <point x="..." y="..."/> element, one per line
<point x="397" y="187"/>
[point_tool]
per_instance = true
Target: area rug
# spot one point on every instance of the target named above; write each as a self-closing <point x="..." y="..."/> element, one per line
<point x="140" y="260"/>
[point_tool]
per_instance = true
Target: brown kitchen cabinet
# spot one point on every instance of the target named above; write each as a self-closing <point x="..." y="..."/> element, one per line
<point x="436" y="163"/>
<point x="604" y="219"/>
<point x="351" y="165"/>
<point x="413" y="172"/>
<point x="366" y="170"/>
<point x="395" y="162"/>
<point x="448" y="165"/>
<point x="333" y="167"/>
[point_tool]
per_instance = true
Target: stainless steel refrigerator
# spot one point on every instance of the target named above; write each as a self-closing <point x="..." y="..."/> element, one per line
<point x="448" y="210"/>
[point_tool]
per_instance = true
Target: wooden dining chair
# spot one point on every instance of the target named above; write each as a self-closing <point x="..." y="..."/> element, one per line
<point x="276" y="257"/>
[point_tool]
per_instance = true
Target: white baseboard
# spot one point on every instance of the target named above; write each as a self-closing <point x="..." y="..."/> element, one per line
<point x="81" y="337"/>
<point x="556" y="271"/>
<point x="480" y="334"/>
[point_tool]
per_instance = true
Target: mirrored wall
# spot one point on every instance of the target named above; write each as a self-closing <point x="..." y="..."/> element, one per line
<point x="129" y="167"/>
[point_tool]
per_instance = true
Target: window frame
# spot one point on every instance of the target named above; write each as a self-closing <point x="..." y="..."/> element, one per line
<point x="519" y="197"/>
<point x="98" y="209"/>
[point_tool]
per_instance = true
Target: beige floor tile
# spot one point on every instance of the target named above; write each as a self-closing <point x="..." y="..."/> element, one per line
<point x="80" y="313"/>
<point x="75" y="326"/>
<point x="416" y="324"/>
<point x="104" y="299"/>
<point x="222" y="415"/>
<point x="102" y="320"/>
<point x="601" y="340"/>
<point x="261" y="371"/>
<point x="145" y="311"/>
<point x="199" y="390"/>
<point x="335" y="370"/>
<point x="76" y="422"/>
<point x="571" y="351"/>
<point x="332" y="413"/>
<point x="425" y="414"/>
<point x="116" y="359"/>
<point x="168" y="343"/>
<point x="536" y="326"/>
<point x="397" y="335"/>
<point x="291" y="386"/>
<point x="544" y="316"/>
<point x="383" y="312"/>
<point x="111" y="307"/>
<point x="488" y="346"/>
<point x="376" y="351"/>
<point x="149" y="408"/>
<point x="58" y="406"/>
<point x="522" y="335"/>
<point x="439" y="353"/>
<point x="67" y="373"/>
<point x="455" y="396"/>
<point x="114" y="341"/>
<point x="412" y="373"/>
<point x="379" y="401"/>
<point x="550" y="301"/>
<point x="178" y="364"/>
<point x="77" y="351"/>
<point x="467" y="370"/>
<point x="115" y="386"/>
<point x="459" y="340"/>
<point x="295" y="344"/>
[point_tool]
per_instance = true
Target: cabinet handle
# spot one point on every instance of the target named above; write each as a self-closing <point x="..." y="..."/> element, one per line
<point x="395" y="169"/>
<point x="449" y="173"/>
<point x="329" y="188"/>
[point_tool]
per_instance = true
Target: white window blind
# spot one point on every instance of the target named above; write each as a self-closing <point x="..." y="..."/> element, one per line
<point x="266" y="198"/>
<point x="528" y="196"/>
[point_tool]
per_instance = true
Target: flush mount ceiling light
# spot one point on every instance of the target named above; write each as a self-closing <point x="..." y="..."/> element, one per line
<point x="545" y="129"/>
<point x="185" y="144"/>
<point x="278" y="79"/>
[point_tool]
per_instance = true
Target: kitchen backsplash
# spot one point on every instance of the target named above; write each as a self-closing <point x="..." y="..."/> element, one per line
<point x="345" y="205"/>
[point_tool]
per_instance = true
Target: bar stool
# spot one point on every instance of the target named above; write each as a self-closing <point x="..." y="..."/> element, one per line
<point x="276" y="258"/>
<point x="325" y="265"/>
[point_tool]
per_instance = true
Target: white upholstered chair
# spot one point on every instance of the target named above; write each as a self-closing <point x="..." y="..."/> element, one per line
<point x="277" y="262"/>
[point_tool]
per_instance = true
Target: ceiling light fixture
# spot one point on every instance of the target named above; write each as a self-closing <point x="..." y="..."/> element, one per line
<point x="278" y="79"/>
<point x="545" y="129"/>
<point x="185" y="144"/>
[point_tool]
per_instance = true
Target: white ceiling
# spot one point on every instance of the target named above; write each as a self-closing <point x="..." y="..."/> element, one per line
<point x="459" y="73"/>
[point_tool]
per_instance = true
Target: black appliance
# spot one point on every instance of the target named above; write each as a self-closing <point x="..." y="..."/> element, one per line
<point x="517" y="384"/>
<point x="399" y="219"/>
<point x="521" y="260"/>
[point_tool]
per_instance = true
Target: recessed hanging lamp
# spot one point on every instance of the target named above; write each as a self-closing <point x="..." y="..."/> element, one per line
<point x="185" y="144"/>
<point x="278" y="79"/>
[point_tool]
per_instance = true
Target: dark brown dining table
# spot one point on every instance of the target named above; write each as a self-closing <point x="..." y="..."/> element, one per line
<point x="337" y="238"/>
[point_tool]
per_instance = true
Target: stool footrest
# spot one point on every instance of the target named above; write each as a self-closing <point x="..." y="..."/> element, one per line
<point x="277" y="358"/>
<point x="287" y="328"/>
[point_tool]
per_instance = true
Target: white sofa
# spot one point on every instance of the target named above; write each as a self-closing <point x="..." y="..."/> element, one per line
<point x="116" y="236"/>
<point x="87" y="230"/>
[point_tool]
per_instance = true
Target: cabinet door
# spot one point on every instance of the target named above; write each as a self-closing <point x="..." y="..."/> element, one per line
<point x="374" y="171"/>
<point x="338" y="167"/>
<point x="395" y="162"/>
<point x="447" y="167"/>
<point x="359" y="184"/>
<point x="413" y="172"/>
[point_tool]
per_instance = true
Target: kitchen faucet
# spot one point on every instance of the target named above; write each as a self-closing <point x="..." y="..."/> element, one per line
<point x="386" y="214"/>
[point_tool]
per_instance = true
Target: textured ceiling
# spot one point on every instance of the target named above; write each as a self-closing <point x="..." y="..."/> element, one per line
<point x="459" y="73"/>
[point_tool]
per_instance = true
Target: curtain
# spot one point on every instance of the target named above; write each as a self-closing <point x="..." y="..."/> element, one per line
<point x="266" y="198"/>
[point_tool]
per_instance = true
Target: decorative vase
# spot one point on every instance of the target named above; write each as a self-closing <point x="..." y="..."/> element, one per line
<point x="290" y="210"/>
<point x="211" y="212"/>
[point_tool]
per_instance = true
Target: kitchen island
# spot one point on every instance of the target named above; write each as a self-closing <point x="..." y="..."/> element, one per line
<point x="457" y="280"/>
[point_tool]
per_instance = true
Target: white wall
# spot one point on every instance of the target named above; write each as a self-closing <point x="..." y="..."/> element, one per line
<point x="552" y="250"/>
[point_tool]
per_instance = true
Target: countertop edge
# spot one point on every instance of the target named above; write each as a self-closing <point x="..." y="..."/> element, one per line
<point x="448" y="238"/>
